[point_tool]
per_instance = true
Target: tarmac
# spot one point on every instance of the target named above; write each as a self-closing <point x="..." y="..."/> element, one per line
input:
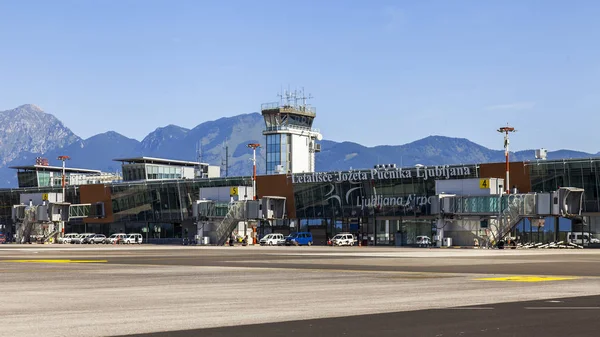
<point x="97" y="290"/>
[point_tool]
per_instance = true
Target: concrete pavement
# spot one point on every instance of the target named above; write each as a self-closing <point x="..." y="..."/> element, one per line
<point x="121" y="290"/>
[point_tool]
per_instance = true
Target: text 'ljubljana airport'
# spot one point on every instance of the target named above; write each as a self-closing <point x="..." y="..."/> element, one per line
<point x="175" y="201"/>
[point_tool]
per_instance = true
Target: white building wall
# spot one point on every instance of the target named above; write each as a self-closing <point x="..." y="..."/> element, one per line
<point x="187" y="172"/>
<point x="222" y="194"/>
<point x="470" y="187"/>
<point x="300" y="159"/>
<point x="214" y="171"/>
<point x="38" y="198"/>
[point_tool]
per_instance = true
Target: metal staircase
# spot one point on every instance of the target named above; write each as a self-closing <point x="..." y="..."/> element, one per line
<point x="27" y="226"/>
<point x="235" y="214"/>
<point x="515" y="208"/>
<point x="504" y="212"/>
<point x="52" y="234"/>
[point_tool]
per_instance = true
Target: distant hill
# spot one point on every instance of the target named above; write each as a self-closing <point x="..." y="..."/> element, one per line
<point x="27" y="132"/>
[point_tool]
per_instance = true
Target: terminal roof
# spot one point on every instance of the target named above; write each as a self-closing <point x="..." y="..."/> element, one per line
<point x="54" y="169"/>
<point x="163" y="161"/>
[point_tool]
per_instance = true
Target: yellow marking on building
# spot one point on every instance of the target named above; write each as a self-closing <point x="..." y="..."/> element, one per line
<point x="55" y="261"/>
<point x="527" y="278"/>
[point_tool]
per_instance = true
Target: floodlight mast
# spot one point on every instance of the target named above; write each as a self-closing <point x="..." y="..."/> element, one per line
<point x="506" y="130"/>
<point x="253" y="146"/>
<point x="63" y="159"/>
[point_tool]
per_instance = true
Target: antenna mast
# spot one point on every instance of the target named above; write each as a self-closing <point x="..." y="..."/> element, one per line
<point x="199" y="151"/>
<point x="225" y="161"/>
<point x="304" y="98"/>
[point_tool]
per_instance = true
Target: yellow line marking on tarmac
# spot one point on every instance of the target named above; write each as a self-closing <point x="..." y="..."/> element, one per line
<point x="523" y="278"/>
<point x="55" y="261"/>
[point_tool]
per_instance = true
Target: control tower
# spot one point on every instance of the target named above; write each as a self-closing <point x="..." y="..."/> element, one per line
<point x="291" y="140"/>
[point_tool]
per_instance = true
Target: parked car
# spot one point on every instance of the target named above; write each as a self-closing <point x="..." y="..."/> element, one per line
<point x="423" y="241"/>
<point x="299" y="239"/>
<point x="115" y="238"/>
<point x="81" y="238"/>
<point x="133" y="238"/>
<point x="581" y="238"/>
<point x="273" y="239"/>
<point x="343" y="239"/>
<point x="93" y="239"/>
<point x="68" y="238"/>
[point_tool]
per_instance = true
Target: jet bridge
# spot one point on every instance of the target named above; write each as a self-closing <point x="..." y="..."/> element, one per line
<point x="41" y="216"/>
<point x="503" y="212"/>
<point x="217" y="220"/>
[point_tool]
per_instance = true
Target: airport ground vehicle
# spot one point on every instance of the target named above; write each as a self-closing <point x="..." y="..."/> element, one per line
<point x="423" y="241"/>
<point x="343" y="239"/>
<point x="133" y="238"/>
<point x="273" y="239"/>
<point x="581" y="238"/>
<point x="93" y="239"/>
<point x="299" y="239"/>
<point x="67" y="238"/>
<point x="81" y="238"/>
<point x="115" y="238"/>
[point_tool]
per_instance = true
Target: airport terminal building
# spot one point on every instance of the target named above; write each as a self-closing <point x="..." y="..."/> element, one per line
<point x="382" y="205"/>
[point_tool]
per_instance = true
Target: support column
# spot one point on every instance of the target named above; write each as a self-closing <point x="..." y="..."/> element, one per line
<point x="556" y="228"/>
<point x="440" y="232"/>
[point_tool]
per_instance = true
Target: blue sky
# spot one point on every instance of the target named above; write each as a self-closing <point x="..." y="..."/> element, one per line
<point x="381" y="72"/>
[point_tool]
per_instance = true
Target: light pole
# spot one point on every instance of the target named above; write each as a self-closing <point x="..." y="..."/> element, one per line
<point x="63" y="159"/>
<point x="505" y="130"/>
<point x="253" y="146"/>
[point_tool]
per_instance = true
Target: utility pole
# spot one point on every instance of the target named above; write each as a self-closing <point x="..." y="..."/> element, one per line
<point x="63" y="159"/>
<point x="506" y="130"/>
<point x="253" y="146"/>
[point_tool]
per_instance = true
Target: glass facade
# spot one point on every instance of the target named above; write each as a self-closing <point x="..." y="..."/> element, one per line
<point x="153" y="208"/>
<point x="10" y="197"/>
<point x="388" y="211"/>
<point x="44" y="179"/>
<point x="134" y="172"/>
<point x="27" y="179"/>
<point x="163" y="172"/>
<point x="550" y="175"/>
<point x="278" y="153"/>
<point x="369" y="197"/>
<point x="382" y="209"/>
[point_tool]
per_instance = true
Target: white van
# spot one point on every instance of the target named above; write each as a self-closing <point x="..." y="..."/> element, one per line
<point x="115" y="238"/>
<point x="343" y="239"/>
<point x="67" y="238"/>
<point x="133" y="238"/>
<point x="273" y="239"/>
<point x="576" y="238"/>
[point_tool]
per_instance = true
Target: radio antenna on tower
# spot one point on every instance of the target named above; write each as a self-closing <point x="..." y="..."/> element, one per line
<point x="304" y="98"/>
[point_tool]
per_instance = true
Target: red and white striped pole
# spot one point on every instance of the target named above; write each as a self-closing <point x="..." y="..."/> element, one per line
<point x="506" y="130"/>
<point x="253" y="146"/>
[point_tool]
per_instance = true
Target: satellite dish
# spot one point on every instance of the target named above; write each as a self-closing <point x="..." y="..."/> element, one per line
<point x="319" y="136"/>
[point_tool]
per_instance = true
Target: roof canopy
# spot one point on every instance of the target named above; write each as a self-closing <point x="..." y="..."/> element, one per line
<point x="162" y="161"/>
<point x="54" y="169"/>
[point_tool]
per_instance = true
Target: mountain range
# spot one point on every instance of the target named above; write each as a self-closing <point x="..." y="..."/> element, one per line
<point x="27" y="132"/>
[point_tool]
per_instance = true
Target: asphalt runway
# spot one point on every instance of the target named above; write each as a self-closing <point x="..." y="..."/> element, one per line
<point x="76" y="290"/>
<point x="548" y="318"/>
